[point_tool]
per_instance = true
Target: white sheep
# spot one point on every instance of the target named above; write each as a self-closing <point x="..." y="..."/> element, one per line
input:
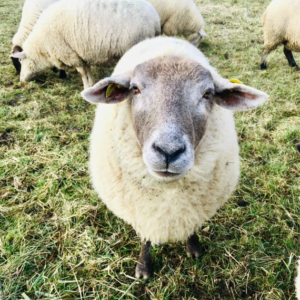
<point x="281" y="26"/>
<point x="32" y="9"/>
<point x="166" y="159"/>
<point x="79" y="34"/>
<point x="298" y="281"/>
<point x="180" y="17"/>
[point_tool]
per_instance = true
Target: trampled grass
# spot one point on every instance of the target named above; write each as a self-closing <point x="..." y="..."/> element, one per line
<point x="58" y="241"/>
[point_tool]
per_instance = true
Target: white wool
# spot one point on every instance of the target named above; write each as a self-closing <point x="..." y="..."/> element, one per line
<point x="92" y="32"/>
<point x="32" y="9"/>
<point x="298" y="281"/>
<point x="281" y="23"/>
<point x="179" y="17"/>
<point x="161" y="211"/>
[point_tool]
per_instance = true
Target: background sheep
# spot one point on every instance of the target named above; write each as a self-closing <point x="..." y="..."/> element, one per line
<point x="281" y="26"/>
<point x="180" y="17"/>
<point x="168" y="158"/>
<point x="32" y="9"/>
<point x="83" y="33"/>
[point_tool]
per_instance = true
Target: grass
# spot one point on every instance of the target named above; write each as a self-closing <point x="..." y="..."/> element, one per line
<point x="58" y="241"/>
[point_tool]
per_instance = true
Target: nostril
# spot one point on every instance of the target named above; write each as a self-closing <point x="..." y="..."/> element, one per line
<point x="170" y="154"/>
<point x="160" y="150"/>
<point x="177" y="152"/>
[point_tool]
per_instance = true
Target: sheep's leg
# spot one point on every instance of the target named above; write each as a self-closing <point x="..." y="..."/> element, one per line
<point x="263" y="63"/>
<point x="62" y="74"/>
<point x="144" y="267"/>
<point x="54" y="69"/>
<point x="193" y="246"/>
<point x="83" y="74"/>
<point x="290" y="57"/>
<point x="89" y="75"/>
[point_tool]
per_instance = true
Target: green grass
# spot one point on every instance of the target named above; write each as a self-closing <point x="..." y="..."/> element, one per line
<point x="58" y="241"/>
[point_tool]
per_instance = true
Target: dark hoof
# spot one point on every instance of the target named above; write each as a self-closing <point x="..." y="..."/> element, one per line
<point x="298" y="147"/>
<point x="263" y="66"/>
<point x="296" y="67"/>
<point x="193" y="247"/>
<point x="62" y="74"/>
<point x="54" y="69"/>
<point x="243" y="203"/>
<point x="143" y="271"/>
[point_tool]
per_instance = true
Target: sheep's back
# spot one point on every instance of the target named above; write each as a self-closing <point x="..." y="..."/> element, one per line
<point x="96" y="31"/>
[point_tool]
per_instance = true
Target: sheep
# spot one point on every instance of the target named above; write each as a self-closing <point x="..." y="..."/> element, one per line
<point x="83" y="33"/>
<point x="166" y="159"/>
<point x="180" y="17"/>
<point x="298" y="281"/>
<point x="32" y="10"/>
<point x="281" y="26"/>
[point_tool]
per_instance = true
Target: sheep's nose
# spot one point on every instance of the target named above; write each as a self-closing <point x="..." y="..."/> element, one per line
<point x="170" y="153"/>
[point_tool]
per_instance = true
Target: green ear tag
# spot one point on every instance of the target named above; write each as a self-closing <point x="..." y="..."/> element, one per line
<point x="111" y="88"/>
<point x="235" y="81"/>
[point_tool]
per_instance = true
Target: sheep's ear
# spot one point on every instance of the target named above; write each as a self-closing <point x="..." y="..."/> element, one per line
<point x="18" y="55"/>
<point x="236" y="96"/>
<point x="202" y="33"/>
<point x="109" y="90"/>
<point x="16" y="61"/>
<point x="16" y="49"/>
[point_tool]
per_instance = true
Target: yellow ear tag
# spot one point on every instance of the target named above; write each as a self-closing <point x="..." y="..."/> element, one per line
<point x="111" y="88"/>
<point x="235" y="81"/>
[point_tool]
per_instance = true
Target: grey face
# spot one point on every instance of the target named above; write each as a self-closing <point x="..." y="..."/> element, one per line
<point x="170" y="106"/>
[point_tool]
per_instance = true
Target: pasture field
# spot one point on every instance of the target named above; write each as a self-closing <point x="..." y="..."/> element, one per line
<point x="58" y="241"/>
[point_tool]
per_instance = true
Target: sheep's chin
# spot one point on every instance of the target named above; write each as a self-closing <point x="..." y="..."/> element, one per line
<point x="166" y="176"/>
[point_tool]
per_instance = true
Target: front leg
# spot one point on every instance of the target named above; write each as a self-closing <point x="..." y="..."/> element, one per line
<point x="193" y="246"/>
<point x="144" y="267"/>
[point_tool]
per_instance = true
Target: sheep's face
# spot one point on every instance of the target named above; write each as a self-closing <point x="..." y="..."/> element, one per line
<point x="196" y="37"/>
<point x="171" y="99"/>
<point x="170" y="105"/>
<point x="29" y="67"/>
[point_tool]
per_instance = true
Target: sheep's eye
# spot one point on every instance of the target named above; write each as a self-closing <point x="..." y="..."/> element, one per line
<point x="207" y="94"/>
<point x="136" y="89"/>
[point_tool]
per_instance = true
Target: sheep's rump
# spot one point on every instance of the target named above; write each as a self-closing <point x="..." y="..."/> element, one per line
<point x="178" y="16"/>
<point x="281" y="24"/>
<point x="32" y="9"/>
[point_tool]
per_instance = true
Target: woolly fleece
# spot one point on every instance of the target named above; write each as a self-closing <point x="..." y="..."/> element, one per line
<point x="91" y="32"/>
<point x="281" y="23"/>
<point x="32" y="9"/>
<point x="159" y="211"/>
<point x="179" y="17"/>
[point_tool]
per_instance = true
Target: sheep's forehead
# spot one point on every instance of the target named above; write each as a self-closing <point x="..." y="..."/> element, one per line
<point x="169" y="71"/>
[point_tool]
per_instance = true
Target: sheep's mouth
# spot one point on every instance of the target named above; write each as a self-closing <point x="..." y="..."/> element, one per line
<point x="167" y="176"/>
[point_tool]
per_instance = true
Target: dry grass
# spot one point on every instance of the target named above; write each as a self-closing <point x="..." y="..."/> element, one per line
<point x="58" y="241"/>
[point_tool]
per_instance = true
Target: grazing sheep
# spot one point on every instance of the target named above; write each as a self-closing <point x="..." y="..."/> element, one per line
<point x="79" y="34"/>
<point x="166" y="159"/>
<point x="281" y="26"/>
<point x="180" y="17"/>
<point x="32" y="9"/>
<point x="298" y="281"/>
